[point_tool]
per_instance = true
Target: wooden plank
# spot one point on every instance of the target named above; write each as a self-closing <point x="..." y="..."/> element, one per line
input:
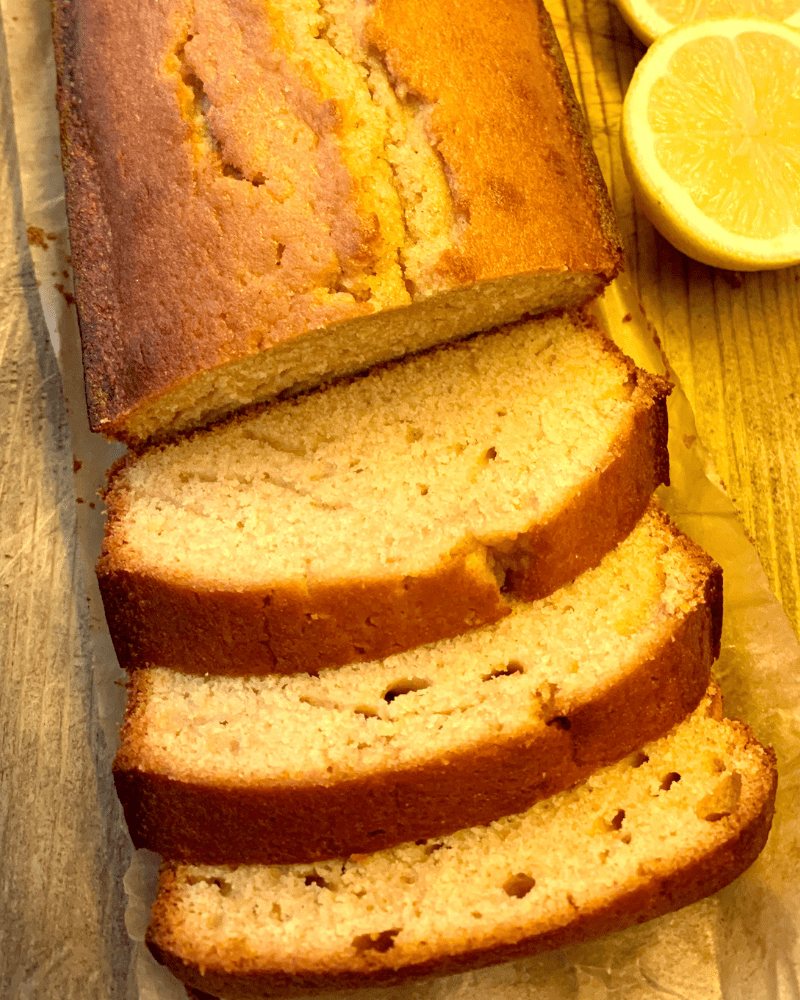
<point x="63" y="846"/>
<point x="732" y="338"/>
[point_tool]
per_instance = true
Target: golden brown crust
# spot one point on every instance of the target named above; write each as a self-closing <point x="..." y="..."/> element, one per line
<point x="154" y="236"/>
<point x="294" y="628"/>
<point x="540" y="182"/>
<point x="656" y="890"/>
<point x="292" y="822"/>
<point x="179" y="263"/>
<point x="290" y="629"/>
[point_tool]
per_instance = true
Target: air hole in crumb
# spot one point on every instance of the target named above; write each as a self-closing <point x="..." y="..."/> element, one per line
<point x="276" y="911"/>
<point x="491" y="454"/>
<point x="431" y="848"/>
<point x="224" y="886"/>
<point x="310" y="700"/>
<point x="616" y="820"/>
<point x="561" y="721"/>
<point x="476" y="915"/>
<point x="502" y="413"/>
<point x="625" y="838"/>
<point x="405" y="686"/>
<point x="279" y="252"/>
<point x="366" y="710"/>
<point x="258" y="180"/>
<point x="512" y="667"/>
<point x="639" y="758"/>
<point x="314" y="878"/>
<point x="669" y="780"/>
<point x="718" y="764"/>
<point x="423" y="491"/>
<point x="382" y="942"/>
<point x="518" y="885"/>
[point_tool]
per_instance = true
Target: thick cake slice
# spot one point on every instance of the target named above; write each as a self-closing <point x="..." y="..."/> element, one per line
<point x="663" y="828"/>
<point x="461" y="732"/>
<point x="263" y="193"/>
<point x="384" y="512"/>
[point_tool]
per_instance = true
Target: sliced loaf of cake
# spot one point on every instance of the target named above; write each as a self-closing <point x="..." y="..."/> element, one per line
<point x="383" y="512"/>
<point x="668" y="825"/>
<point x="460" y="732"/>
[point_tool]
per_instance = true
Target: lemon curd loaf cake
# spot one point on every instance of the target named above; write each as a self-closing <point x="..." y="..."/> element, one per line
<point x="664" y="827"/>
<point x="460" y="732"/>
<point x="385" y="511"/>
<point x="265" y="192"/>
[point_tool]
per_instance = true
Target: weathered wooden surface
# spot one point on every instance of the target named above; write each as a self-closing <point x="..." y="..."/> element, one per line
<point x="63" y="849"/>
<point x="732" y="338"/>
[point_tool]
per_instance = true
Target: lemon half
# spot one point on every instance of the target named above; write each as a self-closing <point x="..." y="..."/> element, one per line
<point x="711" y="141"/>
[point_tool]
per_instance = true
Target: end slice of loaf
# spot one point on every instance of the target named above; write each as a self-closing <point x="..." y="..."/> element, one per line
<point x="457" y="733"/>
<point x="384" y="512"/>
<point x="661" y="829"/>
<point x="326" y="191"/>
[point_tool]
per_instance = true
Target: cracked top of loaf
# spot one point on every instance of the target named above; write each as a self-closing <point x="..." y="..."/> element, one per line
<point x="265" y="192"/>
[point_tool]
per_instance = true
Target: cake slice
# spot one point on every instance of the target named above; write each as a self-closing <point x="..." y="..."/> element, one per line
<point x="670" y="824"/>
<point x="262" y="194"/>
<point x="384" y="512"/>
<point x="460" y="732"/>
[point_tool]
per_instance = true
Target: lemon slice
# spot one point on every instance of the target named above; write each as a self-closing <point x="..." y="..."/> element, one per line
<point x="711" y="141"/>
<point x="649" y="19"/>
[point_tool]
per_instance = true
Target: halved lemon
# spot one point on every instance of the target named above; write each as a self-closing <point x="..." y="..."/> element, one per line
<point x="711" y="141"/>
<point x="649" y="19"/>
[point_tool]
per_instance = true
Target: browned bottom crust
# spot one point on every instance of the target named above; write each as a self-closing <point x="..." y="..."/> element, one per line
<point x="285" y="823"/>
<point x="290" y="629"/>
<point x="663" y="893"/>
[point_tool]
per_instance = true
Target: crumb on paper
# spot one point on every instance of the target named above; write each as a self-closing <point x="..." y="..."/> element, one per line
<point x="37" y="237"/>
<point x="69" y="298"/>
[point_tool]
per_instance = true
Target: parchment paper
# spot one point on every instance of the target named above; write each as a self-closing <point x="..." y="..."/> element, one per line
<point x="741" y="943"/>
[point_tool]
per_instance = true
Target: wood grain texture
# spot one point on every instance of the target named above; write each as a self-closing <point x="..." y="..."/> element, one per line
<point x="732" y="338"/>
<point x="61" y="903"/>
